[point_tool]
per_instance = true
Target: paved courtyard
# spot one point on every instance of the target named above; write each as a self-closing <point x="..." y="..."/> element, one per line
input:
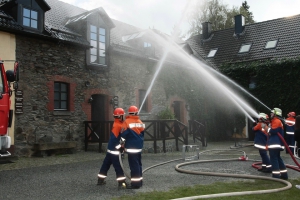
<point x="74" y="176"/>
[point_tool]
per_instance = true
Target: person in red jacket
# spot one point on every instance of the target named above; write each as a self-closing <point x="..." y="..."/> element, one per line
<point x="133" y="134"/>
<point x="260" y="141"/>
<point x="289" y="130"/>
<point x="275" y="145"/>
<point x="112" y="154"/>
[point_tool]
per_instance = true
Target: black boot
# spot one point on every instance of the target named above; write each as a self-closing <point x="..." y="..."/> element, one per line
<point x="132" y="187"/>
<point x="101" y="181"/>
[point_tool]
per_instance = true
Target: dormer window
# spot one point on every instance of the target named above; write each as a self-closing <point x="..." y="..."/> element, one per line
<point x="245" y="48"/>
<point x="271" y="44"/>
<point x="212" y="53"/>
<point x="97" y="40"/>
<point x="30" y="18"/>
<point x="147" y="44"/>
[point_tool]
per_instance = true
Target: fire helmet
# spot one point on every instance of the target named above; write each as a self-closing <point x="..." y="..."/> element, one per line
<point x="291" y="114"/>
<point x="118" y="112"/>
<point x="277" y="112"/>
<point x="263" y="116"/>
<point x="133" y="110"/>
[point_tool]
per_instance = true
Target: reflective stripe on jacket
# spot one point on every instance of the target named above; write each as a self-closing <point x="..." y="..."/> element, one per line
<point x="133" y="131"/>
<point x="260" y="140"/>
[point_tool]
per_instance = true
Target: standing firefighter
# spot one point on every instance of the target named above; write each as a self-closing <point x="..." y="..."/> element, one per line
<point x="112" y="154"/>
<point x="289" y="130"/>
<point x="275" y="145"/>
<point x="133" y="134"/>
<point x="260" y="141"/>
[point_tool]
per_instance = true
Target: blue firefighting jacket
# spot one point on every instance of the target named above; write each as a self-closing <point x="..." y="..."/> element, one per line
<point x="261" y="136"/>
<point x="274" y="141"/>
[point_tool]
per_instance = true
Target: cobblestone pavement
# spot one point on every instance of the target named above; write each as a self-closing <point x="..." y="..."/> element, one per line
<point x="74" y="176"/>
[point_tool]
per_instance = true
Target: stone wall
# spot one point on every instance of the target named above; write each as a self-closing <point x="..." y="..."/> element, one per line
<point x="43" y="62"/>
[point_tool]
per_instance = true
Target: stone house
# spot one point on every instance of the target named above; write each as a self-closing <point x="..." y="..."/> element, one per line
<point x="245" y="43"/>
<point x="75" y="66"/>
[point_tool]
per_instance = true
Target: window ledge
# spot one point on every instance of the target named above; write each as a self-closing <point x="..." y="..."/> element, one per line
<point x="61" y="113"/>
<point x="97" y="67"/>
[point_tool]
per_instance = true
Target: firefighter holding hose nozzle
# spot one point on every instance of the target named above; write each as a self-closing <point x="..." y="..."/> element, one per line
<point x="260" y="141"/>
<point x="112" y="154"/>
<point x="275" y="145"/>
<point x="133" y="133"/>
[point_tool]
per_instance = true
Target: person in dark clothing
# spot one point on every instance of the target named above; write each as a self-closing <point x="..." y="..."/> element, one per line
<point x="297" y="131"/>
<point x="289" y="131"/>
<point x="133" y="135"/>
<point x="260" y="142"/>
<point x="112" y="154"/>
<point x="275" y="145"/>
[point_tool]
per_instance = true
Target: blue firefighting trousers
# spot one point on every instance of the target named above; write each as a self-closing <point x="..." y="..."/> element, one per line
<point x="135" y="164"/>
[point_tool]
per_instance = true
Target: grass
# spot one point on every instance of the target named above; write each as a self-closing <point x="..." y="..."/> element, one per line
<point x="222" y="187"/>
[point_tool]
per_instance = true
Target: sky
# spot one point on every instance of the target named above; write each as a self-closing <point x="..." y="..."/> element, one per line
<point x="165" y="14"/>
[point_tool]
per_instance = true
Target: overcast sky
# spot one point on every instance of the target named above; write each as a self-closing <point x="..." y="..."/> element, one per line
<point x="164" y="14"/>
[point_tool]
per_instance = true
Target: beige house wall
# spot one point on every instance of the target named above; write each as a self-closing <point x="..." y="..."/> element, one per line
<point x="8" y="55"/>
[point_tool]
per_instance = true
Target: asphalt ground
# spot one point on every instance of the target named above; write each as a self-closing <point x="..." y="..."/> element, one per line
<point x="74" y="176"/>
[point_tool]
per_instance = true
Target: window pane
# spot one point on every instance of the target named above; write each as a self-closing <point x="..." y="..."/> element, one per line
<point x="63" y="96"/>
<point x="93" y="29"/>
<point x="26" y="13"/>
<point x="102" y="38"/>
<point x="102" y="53"/>
<point x="63" y="105"/>
<point x="245" y="48"/>
<point x="56" y="87"/>
<point x="63" y="87"/>
<point x="102" y="31"/>
<point x="33" y="15"/>
<point x="102" y="60"/>
<point x="33" y="23"/>
<point x="93" y="58"/>
<point x="26" y="22"/>
<point x="271" y="44"/>
<point x="56" y="96"/>
<point x="102" y="45"/>
<point x="94" y="43"/>
<point x="93" y="51"/>
<point x="56" y="104"/>
<point x="93" y="36"/>
<point x="212" y="53"/>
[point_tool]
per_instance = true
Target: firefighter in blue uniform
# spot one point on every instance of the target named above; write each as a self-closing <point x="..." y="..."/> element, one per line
<point x="133" y="134"/>
<point x="275" y="145"/>
<point x="112" y="154"/>
<point x="260" y="141"/>
<point x="289" y="130"/>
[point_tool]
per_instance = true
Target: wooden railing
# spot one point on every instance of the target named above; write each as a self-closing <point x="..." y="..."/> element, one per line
<point x="156" y="130"/>
<point x="198" y="131"/>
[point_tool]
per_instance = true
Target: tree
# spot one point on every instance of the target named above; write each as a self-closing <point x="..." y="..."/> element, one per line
<point x="218" y="14"/>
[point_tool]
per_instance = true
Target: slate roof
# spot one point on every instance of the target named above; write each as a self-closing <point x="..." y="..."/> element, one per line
<point x="62" y="13"/>
<point x="286" y="30"/>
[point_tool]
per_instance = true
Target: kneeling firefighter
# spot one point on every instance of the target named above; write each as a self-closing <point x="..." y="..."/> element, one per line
<point x="275" y="145"/>
<point x="260" y="141"/>
<point x="112" y="154"/>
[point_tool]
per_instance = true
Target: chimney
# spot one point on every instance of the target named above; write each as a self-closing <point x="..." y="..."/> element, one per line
<point x="239" y="24"/>
<point x="206" y="30"/>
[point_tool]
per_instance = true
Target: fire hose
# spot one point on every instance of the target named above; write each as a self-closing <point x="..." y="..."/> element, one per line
<point x="242" y="158"/>
<point x="290" y="152"/>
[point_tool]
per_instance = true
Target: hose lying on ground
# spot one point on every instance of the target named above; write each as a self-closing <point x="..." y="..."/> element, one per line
<point x="244" y="158"/>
